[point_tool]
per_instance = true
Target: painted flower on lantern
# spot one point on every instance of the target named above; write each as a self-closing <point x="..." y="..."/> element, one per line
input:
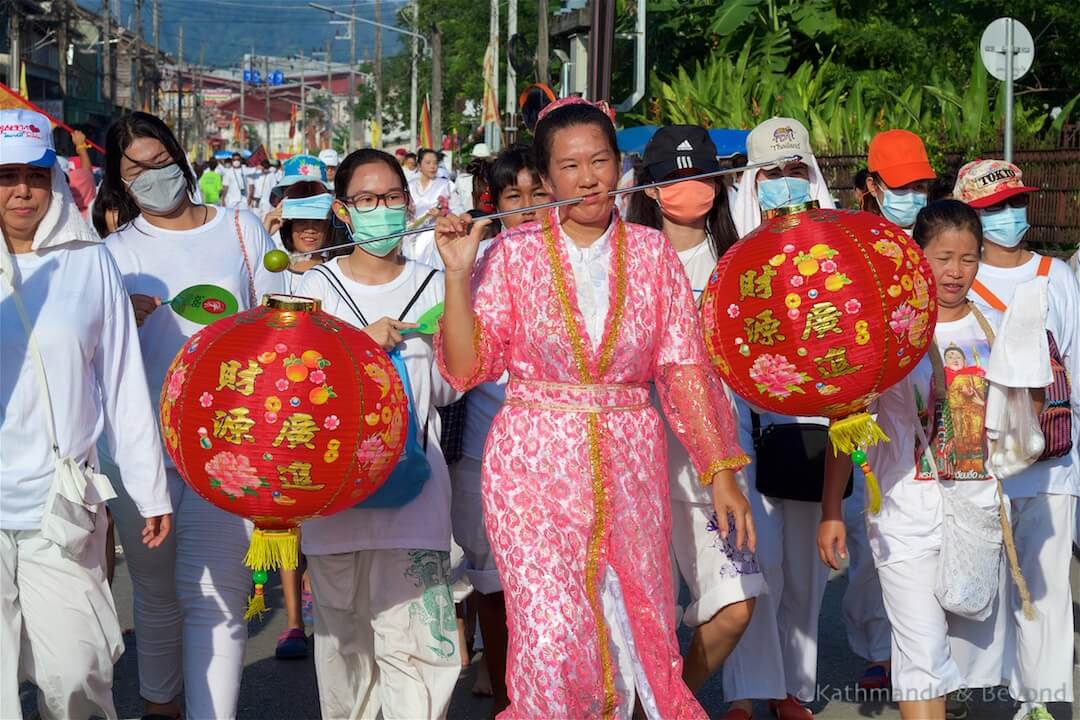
<point x="733" y="311"/>
<point x="331" y="422"/>
<point x="901" y="319"/>
<point x="797" y="280"/>
<point x="777" y="376"/>
<point x="176" y="382"/>
<point x="282" y="385"/>
<point x="317" y="377"/>
<point x="233" y="474"/>
<point x="852" y="306"/>
<point x="206" y="399"/>
<point x="828" y="266"/>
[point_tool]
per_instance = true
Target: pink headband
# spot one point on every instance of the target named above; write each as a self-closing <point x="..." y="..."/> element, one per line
<point x="602" y="106"/>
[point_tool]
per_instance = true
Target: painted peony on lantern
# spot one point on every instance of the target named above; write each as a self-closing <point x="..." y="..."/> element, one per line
<point x="280" y="414"/>
<point x="817" y="313"/>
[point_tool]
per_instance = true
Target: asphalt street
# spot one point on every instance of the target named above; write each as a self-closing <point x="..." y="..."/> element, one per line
<point x="285" y="690"/>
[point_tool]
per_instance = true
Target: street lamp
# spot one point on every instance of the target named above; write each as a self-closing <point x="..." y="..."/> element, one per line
<point x="391" y="28"/>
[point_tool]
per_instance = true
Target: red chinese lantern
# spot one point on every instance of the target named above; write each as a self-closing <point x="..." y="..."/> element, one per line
<point x="817" y="313"/>
<point x="280" y="414"/>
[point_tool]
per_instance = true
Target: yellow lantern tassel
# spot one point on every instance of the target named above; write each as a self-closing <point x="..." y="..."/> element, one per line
<point x="873" y="490"/>
<point x="273" y="549"/>
<point x="256" y="603"/>
<point x="855" y="431"/>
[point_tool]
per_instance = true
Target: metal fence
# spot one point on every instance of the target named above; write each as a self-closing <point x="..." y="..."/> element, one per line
<point x="1054" y="212"/>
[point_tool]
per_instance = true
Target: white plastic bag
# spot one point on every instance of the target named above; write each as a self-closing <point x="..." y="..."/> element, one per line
<point x="1020" y="442"/>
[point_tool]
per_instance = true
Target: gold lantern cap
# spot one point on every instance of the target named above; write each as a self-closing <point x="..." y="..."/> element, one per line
<point x="295" y="303"/>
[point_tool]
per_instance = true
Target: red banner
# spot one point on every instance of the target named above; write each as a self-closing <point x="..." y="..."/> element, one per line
<point x="11" y="100"/>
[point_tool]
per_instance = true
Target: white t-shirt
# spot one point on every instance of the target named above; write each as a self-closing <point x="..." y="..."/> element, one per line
<point x="85" y="331"/>
<point x="1059" y="476"/>
<point x="424" y="523"/>
<point x="909" y="524"/>
<point x="234" y="182"/>
<point x="161" y="263"/>
<point x="425" y="198"/>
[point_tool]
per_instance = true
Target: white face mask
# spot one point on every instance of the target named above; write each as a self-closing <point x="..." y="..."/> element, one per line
<point x="236" y="163"/>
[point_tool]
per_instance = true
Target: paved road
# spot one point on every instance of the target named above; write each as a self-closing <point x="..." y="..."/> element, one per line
<point x="278" y="690"/>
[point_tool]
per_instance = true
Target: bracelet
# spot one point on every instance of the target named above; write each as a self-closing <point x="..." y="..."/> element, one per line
<point x="84" y="146"/>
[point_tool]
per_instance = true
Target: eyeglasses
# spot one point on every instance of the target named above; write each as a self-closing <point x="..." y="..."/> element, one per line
<point x="366" y="202"/>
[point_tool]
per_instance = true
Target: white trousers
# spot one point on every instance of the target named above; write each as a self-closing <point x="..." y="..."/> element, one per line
<point x="777" y="654"/>
<point x="865" y="621"/>
<point x="470" y="529"/>
<point x="1039" y="657"/>
<point x="385" y="634"/>
<point x="58" y="626"/>
<point x="933" y="651"/>
<point x="189" y="598"/>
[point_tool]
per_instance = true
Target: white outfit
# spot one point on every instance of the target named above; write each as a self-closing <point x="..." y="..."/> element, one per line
<point x="421" y="246"/>
<point x="262" y="183"/>
<point x="746" y="212"/>
<point x="58" y="625"/>
<point x="463" y="190"/>
<point x="865" y="620"/>
<point x="777" y="654"/>
<point x="482" y="404"/>
<point x="189" y="596"/>
<point x="234" y="186"/>
<point x="390" y="643"/>
<point x="1039" y="667"/>
<point x="933" y="652"/>
<point x="717" y="572"/>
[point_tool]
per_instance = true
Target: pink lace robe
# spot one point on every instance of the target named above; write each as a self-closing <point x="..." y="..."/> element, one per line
<point x="574" y="470"/>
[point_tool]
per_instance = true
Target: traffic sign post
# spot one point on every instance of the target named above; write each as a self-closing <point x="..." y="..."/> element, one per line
<point x="1007" y="52"/>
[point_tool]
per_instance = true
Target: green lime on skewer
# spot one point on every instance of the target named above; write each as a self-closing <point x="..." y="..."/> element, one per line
<point x="276" y="261"/>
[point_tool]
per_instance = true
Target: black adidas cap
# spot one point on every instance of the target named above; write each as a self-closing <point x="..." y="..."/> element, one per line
<point x="680" y="147"/>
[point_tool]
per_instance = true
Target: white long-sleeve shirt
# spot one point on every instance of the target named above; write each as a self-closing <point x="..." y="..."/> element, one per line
<point x="85" y="331"/>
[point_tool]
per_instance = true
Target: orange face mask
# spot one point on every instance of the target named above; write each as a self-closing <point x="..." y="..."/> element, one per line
<point x="686" y="202"/>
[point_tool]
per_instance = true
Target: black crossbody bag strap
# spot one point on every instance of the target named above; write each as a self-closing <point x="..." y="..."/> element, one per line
<point x="416" y="296"/>
<point x="336" y="286"/>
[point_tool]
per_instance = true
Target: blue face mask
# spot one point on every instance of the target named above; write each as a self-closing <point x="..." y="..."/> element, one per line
<point x="316" y="207"/>
<point x="376" y="223"/>
<point x="902" y="206"/>
<point x="1005" y="227"/>
<point x="783" y="192"/>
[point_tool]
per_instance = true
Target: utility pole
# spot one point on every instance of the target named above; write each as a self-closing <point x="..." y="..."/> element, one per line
<point x="243" y="96"/>
<point x="352" y="80"/>
<point x="266" y="83"/>
<point x="491" y="132"/>
<point x="303" y="105"/>
<point x="157" y="49"/>
<point x="436" y="86"/>
<point x="542" y="41"/>
<point x="136" y="70"/>
<point x="601" y="39"/>
<point x="511" y="74"/>
<point x="15" y="51"/>
<point x="413" y="99"/>
<point x="330" y="89"/>
<point x="378" y="73"/>
<point x="200" y="117"/>
<point x="63" y="14"/>
<point x="107" y="81"/>
<point x="180" y="88"/>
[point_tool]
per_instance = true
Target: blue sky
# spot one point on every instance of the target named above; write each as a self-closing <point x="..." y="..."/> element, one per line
<point x="229" y="28"/>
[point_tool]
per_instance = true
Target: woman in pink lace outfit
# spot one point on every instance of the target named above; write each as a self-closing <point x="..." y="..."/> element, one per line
<point x="585" y="310"/>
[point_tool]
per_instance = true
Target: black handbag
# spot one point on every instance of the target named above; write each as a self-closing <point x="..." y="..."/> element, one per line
<point x="791" y="460"/>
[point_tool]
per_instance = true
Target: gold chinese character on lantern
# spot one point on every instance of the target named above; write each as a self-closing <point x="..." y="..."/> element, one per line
<point x="822" y="318"/>
<point x="233" y="426"/>
<point x="298" y="429"/>
<point x="752" y="284"/>
<point x="242" y="381"/>
<point x="763" y="329"/>
<point x="834" y="363"/>
<point x="297" y="476"/>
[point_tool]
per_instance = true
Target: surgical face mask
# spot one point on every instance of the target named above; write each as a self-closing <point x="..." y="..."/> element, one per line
<point x="783" y="192"/>
<point x="902" y="206"/>
<point x="236" y="163"/>
<point x="1005" y="227"/>
<point x="316" y="207"/>
<point x="159" y="191"/>
<point x="376" y="223"/>
<point x="687" y="202"/>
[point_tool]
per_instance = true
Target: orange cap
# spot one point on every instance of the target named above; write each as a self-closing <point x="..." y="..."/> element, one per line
<point x="899" y="157"/>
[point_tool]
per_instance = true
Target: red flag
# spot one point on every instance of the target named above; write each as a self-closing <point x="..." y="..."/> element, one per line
<point x="292" y="122"/>
<point x="11" y="100"/>
<point x="426" y="138"/>
<point x="258" y="156"/>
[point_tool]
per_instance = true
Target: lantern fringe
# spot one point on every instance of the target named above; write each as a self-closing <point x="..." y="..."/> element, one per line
<point x="256" y="604"/>
<point x="273" y="549"/>
<point x="858" y="432"/>
<point x="854" y="432"/>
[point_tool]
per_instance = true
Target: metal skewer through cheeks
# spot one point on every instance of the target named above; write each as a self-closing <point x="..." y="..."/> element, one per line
<point x="557" y="203"/>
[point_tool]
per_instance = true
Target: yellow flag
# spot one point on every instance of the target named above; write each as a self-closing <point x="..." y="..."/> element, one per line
<point x="22" y="83"/>
<point x="376" y="135"/>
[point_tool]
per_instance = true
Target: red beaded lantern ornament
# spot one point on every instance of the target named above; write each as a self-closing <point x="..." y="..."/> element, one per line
<point x="280" y="414"/>
<point x="817" y="312"/>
